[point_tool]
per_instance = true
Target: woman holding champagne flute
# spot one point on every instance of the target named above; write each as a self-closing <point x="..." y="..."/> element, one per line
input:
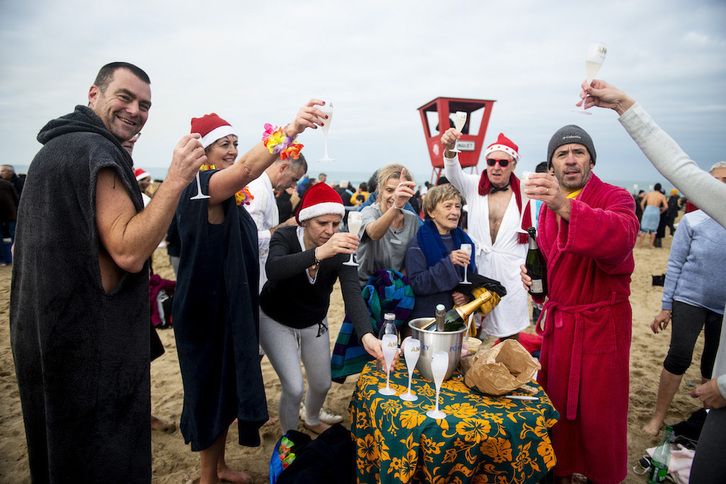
<point x="303" y="264"/>
<point x="215" y="307"/>
<point x="435" y="261"/>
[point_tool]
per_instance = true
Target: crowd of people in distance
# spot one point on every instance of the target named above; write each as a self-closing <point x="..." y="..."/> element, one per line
<point x="257" y="246"/>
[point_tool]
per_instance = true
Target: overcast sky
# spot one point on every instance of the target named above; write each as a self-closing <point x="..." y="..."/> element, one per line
<point x="258" y="62"/>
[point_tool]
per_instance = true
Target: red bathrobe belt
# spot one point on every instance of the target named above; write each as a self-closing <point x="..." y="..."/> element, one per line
<point x="553" y="320"/>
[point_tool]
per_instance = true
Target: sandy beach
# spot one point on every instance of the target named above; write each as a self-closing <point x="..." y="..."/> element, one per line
<point x="173" y="461"/>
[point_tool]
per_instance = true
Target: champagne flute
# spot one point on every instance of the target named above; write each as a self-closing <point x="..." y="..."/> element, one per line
<point x="459" y="122"/>
<point x="466" y="248"/>
<point x="327" y="108"/>
<point x="199" y="195"/>
<point x="595" y="57"/>
<point x="390" y="346"/>
<point x="354" y="222"/>
<point x="411" y="350"/>
<point x="439" y="366"/>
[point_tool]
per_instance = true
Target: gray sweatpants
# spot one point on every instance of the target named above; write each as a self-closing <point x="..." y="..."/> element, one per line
<point x="285" y="347"/>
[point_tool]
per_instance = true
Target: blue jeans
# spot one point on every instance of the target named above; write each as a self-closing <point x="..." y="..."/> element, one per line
<point x="8" y="232"/>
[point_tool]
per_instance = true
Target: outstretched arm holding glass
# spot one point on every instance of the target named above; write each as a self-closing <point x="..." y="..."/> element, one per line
<point x="669" y="159"/>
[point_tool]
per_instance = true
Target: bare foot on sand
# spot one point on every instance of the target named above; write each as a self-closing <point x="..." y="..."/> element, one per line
<point x="235" y="477"/>
<point x="162" y="425"/>
<point x="652" y="428"/>
<point x="272" y="421"/>
<point x="318" y="429"/>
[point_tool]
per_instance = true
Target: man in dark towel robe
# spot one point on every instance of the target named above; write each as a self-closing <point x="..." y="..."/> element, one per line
<point x="586" y="232"/>
<point x="79" y="309"/>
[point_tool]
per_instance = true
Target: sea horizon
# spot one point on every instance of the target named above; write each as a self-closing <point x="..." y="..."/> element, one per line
<point x="358" y="177"/>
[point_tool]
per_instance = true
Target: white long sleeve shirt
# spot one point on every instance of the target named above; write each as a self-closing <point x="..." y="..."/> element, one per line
<point x="263" y="209"/>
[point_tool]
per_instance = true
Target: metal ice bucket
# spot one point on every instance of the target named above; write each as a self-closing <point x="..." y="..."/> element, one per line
<point x="449" y="341"/>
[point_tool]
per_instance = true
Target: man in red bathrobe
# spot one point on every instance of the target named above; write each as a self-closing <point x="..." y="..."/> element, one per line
<point x="586" y="231"/>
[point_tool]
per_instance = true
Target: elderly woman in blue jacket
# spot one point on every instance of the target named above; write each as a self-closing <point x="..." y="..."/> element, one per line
<point x="434" y="260"/>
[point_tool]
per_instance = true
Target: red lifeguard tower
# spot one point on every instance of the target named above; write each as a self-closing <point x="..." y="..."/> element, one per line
<point x="436" y="119"/>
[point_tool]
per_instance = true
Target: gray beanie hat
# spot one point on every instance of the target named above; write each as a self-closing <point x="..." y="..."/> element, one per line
<point x="568" y="135"/>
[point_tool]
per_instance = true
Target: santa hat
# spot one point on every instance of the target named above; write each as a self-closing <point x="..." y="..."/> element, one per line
<point x="141" y="174"/>
<point x="319" y="200"/>
<point x="504" y="144"/>
<point x="211" y="127"/>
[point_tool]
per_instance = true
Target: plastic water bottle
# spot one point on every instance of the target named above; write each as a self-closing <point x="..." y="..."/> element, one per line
<point x="661" y="459"/>
<point x="388" y="327"/>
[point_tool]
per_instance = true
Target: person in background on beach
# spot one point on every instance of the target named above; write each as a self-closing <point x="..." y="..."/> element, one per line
<point x="672" y="211"/>
<point x="321" y="177"/>
<point x="303" y="265"/>
<point x="345" y="191"/>
<point x="287" y="201"/>
<point x="694" y="295"/>
<point x="362" y="190"/>
<point x="587" y="231"/>
<point x="8" y="173"/>
<point x="638" y="209"/>
<point x="79" y="305"/>
<point x="653" y="204"/>
<point x="9" y="200"/>
<point x="709" y="193"/>
<point x="498" y="223"/>
<point x="216" y="304"/>
<point x="144" y="180"/>
<point x="387" y="228"/>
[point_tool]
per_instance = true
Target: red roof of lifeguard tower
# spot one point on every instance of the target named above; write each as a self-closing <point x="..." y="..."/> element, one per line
<point x="436" y="116"/>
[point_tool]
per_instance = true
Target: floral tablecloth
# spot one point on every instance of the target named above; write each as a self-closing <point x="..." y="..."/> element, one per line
<point x="483" y="439"/>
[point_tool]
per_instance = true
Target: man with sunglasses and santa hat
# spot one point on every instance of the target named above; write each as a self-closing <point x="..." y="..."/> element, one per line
<point x="497" y="226"/>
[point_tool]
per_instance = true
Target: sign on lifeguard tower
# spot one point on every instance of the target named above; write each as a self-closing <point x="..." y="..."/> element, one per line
<point x="440" y="114"/>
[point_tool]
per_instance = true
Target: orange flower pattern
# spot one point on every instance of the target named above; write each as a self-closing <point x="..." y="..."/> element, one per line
<point x="483" y="439"/>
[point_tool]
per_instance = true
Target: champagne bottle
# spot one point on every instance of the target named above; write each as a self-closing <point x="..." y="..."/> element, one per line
<point x="437" y="324"/>
<point x="440" y="314"/>
<point x="456" y="318"/>
<point x="661" y="458"/>
<point x="536" y="266"/>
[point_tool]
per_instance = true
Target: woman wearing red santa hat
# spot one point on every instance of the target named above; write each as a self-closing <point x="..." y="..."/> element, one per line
<point x="215" y="313"/>
<point x="302" y="267"/>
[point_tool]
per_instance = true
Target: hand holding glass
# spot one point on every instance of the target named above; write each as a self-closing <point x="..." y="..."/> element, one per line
<point x="411" y="350"/>
<point x="439" y="365"/>
<point x="327" y="108"/>
<point x="459" y="122"/>
<point x="354" y="223"/>
<point x="466" y="248"/>
<point x="390" y="346"/>
<point x="595" y="57"/>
